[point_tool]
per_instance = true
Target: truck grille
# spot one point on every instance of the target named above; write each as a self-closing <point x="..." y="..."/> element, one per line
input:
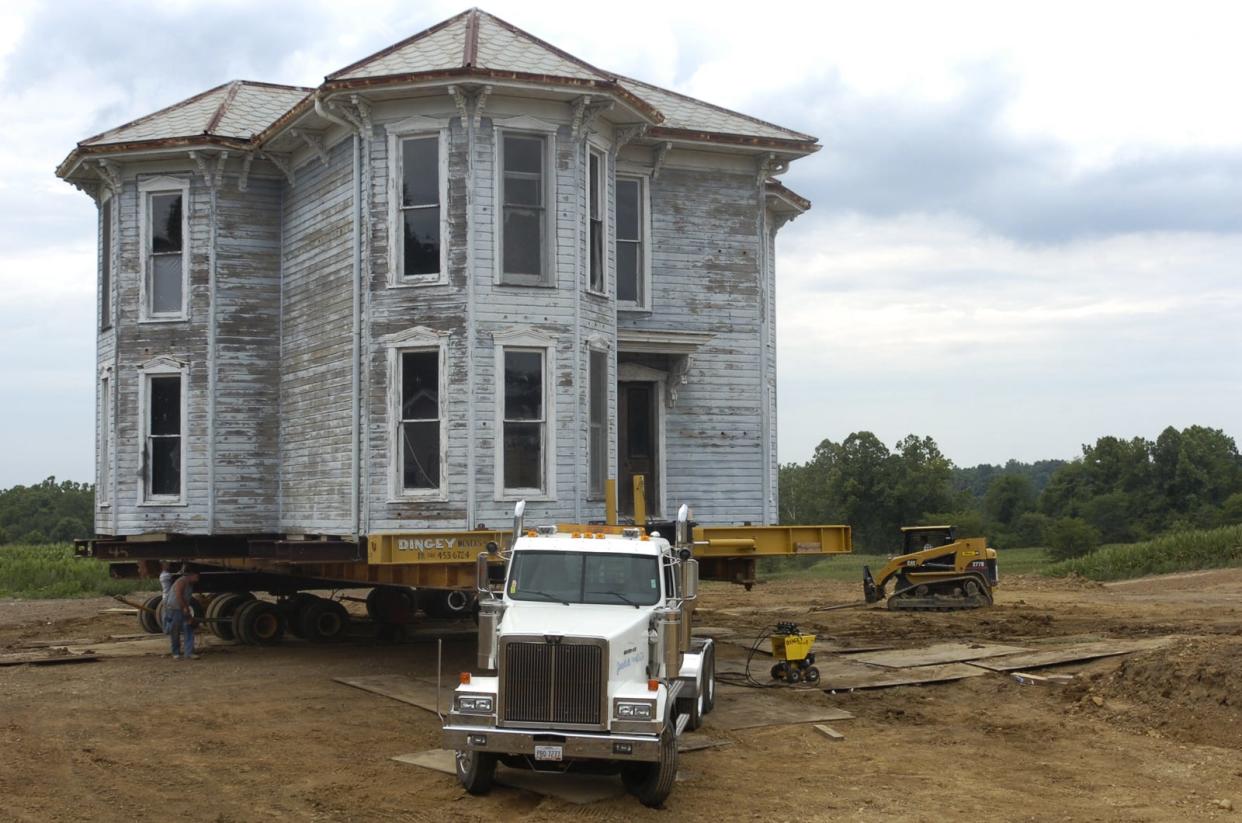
<point x="559" y="683"/>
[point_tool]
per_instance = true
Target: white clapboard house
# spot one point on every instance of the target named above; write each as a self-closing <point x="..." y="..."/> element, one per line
<point x="466" y="270"/>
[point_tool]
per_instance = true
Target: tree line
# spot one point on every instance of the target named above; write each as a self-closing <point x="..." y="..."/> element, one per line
<point x="1117" y="491"/>
<point x="47" y="512"/>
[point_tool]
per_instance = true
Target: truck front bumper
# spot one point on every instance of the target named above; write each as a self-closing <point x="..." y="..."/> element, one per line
<point x="574" y="745"/>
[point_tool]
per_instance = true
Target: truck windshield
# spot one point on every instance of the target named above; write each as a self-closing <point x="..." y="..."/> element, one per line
<point x="585" y="577"/>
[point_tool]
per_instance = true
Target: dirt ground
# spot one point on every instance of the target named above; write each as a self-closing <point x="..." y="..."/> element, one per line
<point x="264" y="733"/>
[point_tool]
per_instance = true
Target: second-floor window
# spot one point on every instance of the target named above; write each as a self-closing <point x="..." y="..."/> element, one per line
<point x="523" y="230"/>
<point x="595" y="221"/>
<point x="420" y="420"/>
<point x="631" y="242"/>
<point x="165" y="256"/>
<point x="420" y="207"/>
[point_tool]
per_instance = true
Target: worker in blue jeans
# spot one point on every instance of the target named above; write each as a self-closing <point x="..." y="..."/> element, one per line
<point x="179" y="614"/>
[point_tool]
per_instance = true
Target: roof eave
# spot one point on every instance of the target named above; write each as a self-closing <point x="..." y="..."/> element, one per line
<point x="787" y="196"/>
<point x="70" y="164"/>
<point x="791" y="146"/>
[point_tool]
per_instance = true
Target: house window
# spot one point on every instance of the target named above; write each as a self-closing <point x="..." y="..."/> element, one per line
<point x="420" y="420"/>
<point x="595" y="220"/>
<point x="105" y="441"/>
<point x="631" y="245"/>
<point x="420" y="206"/>
<point x="163" y="454"/>
<point x="598" y="446"/>
<point x="524" y="419"/>
<point x="524" y="209"/>
<point x="166" y="266"/>
<point x="105" y="264"/>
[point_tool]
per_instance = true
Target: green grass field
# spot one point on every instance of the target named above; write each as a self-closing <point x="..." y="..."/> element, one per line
<point x="1176" y="552"/>
<point x="52" y="571"/>
<point x="849" y="567"/>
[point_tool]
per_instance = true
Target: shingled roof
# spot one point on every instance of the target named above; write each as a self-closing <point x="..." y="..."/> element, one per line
<point x="237" y="110"/>
<point x="473" y="45"/>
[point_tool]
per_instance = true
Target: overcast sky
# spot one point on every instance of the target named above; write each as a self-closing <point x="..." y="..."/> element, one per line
<point x="1027" y="221"/>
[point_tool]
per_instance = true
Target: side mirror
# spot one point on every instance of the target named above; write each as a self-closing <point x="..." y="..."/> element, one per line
<point x="481" y="577"/>
<point x="682" y="534"/>
<point x="689" y="580"/>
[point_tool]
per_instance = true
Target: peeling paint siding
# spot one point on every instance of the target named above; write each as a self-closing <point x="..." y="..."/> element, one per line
<point x="247" y="356"/>
<point x="706" y="277"/>
<point x="137" y="343"/>
<point x="315" y="456"/>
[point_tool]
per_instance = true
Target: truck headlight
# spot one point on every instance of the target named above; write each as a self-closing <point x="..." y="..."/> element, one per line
<point x="635" y="711"/>
<point x="474" y="704"/>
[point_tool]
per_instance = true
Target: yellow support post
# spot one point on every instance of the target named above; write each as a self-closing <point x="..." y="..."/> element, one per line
<point x="640" y="500"/>
<point x="610" y="501"/>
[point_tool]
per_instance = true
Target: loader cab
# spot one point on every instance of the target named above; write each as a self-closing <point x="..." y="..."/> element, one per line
<point x="917" y="538"/>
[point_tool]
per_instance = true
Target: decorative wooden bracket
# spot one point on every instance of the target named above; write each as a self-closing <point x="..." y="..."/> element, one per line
<point x="462" y="100"/>
<point x="484" y="93"/>
<point x="213" y="178"/>
<point x="244" y="179"/>
<point x="661" y="154"/>
<point x="768" y="166"/>
<point x="110" y="174"/>
<point x="678" y="376"/>
<point x="284" y="162"/>
<point x="315" y="141"/>
<point x="586" y="109"/>
<point x="627" y="134"/>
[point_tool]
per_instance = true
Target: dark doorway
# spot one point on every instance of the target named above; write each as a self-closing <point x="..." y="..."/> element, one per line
<point x="638" y="444"/>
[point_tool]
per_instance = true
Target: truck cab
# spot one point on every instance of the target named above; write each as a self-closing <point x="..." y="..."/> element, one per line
<point x="587" y="660"/>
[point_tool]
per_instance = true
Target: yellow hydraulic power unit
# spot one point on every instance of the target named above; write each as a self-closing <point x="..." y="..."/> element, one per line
<point x="792" y="650"/>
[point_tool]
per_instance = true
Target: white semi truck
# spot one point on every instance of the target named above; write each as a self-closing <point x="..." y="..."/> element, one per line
<point x="588" y="660"/>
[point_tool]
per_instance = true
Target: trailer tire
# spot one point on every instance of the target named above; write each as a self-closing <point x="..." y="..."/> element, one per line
<point x="259" y="623"/>
<point x="323" y="621"/>
<point x="453" y="604"/>
<point x="392" y="604"/>
<point x="294" y="608"/>
<point x="148" y="616"/>
<point x="222" y="613"/>
<point x="475" y="770"/>
<point x="651" y="783"/>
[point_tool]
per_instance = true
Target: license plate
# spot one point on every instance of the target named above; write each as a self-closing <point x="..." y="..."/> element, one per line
<point x="548" y="752"/>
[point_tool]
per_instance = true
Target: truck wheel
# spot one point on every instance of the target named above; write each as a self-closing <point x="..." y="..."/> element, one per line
<point x="651" y="783"/>
<point x="475" y="771"/>
<point x="148" y="619"/>
<point x="259" y="623"/>
<point x="324" y="620"/>
<point x="223" y="611"/>
<point x="293" y="608"/>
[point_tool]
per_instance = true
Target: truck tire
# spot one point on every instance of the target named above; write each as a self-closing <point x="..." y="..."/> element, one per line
<point x="475" y="770"/>
<point x="324" y="620"/>
<point x="709" y="679"/>
<point x="294" y="607"/>
<point x="259" y="623"/>
<point x="651" y="783"/>
<point x="222" y="613"/>
<point x="148" y="618"/>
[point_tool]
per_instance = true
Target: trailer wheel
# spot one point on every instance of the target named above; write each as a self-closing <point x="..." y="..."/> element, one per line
<point x="475" y="771"/>
<point x="222" y="614"/>
<point x="259" y="623"/>
<point x="651" y="783"/>
<point x="324" y="620"/>
<point x="453" y="604"/>
<point x="294" y="608"/>
<point x="148" y="618"/>
<point x="391" y="604"/>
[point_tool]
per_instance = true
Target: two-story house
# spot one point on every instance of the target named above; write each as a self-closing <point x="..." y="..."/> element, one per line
<point x="466" y="270"/>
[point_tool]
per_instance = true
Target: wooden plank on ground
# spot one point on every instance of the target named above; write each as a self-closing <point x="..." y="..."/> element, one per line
<point x="154" y="645"/>
<point x="51" y="644"/>
<point x="43" y="659"/>
<point x="841" y="674"/>
<point x="829" y="732"/>
<point x="755" y="708"/>
<point x="579" y="789"/>
<point x="935" y="655"/>
<point x="420" y="693"/>
<point x="1073" y="653"/>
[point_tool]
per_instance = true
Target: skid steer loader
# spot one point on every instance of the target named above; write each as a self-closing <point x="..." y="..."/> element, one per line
<point x="937" y="570"/>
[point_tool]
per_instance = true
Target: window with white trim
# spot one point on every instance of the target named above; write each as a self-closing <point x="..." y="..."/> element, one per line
<point x="524" y="420"/>
<point x="420" y="418"/>
<point x="524" y="213"/>
<point x="631" y="241"/>
<point x="163" y="451"/>
<point x="105" y="263"/>
<point x="165" y="256"/>
<point x="420" y="208"/>
<point x="598" y="417"/>
<point x="103" y="485"/>
<point x="596" y="185"/>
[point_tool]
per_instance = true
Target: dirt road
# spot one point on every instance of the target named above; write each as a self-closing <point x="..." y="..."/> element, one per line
<point x="264" y="733"/>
